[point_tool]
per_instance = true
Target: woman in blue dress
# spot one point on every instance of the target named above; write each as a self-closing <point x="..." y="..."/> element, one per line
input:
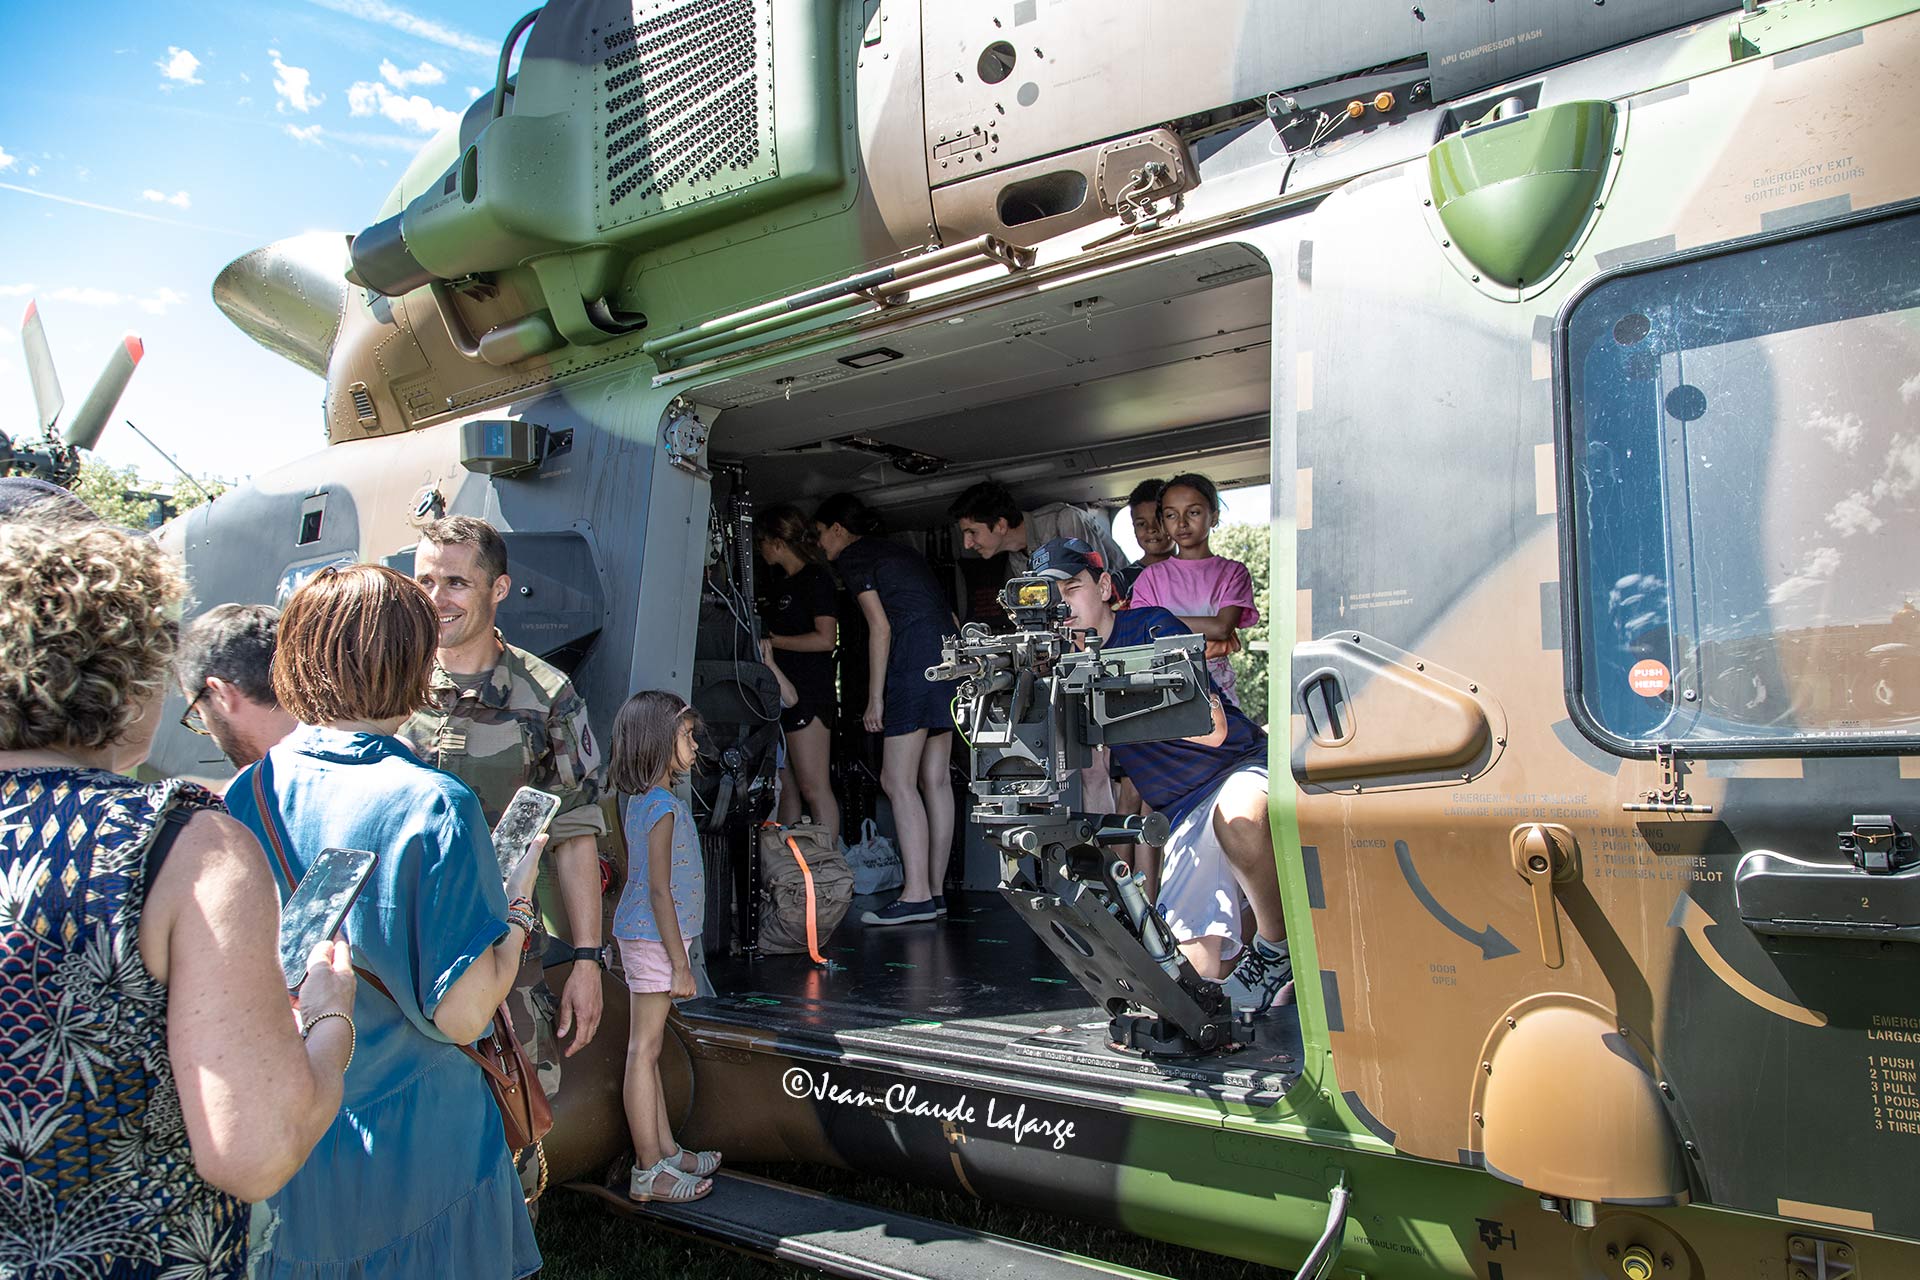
<point x="414" y="1178"/>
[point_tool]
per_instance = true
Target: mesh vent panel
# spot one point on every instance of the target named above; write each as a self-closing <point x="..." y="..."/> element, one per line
<point x="685" y="105"/>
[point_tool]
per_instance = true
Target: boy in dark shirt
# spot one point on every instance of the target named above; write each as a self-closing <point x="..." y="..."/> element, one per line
<point x="1212" y="789"/>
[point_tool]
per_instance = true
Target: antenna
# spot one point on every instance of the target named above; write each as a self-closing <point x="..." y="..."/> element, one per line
<point x="184" y="474"/>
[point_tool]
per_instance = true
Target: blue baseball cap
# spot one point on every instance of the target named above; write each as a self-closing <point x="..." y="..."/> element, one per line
<point x="1064" y="558"/>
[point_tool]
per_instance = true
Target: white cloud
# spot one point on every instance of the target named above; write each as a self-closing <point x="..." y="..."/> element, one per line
<point x="1842" y="431"/>
<point x="425" y="73"/>
<point x="294" y="85"/>
<point x="370" y="97"/>
<point x="386" y="15"/>
<point x="179" y="199"/>
<point x="154" y="304"/>
<point x="179" y="66"/>
<point x="1854" y="514"/>
<point x="1909" y="390"/>
<point x="304" y="133"/>
<point x="17" y="290"/>
<point x="7" y="161"/>
<point x="33" y="170"/>
<point x="474" y="91"/>
<point x="1900" y="474"/>
<point x="1820" y="566"/>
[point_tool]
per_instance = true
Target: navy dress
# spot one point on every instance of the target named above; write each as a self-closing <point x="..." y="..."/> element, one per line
<point x="919" y="616"/>
<point x="414" y="1178"/>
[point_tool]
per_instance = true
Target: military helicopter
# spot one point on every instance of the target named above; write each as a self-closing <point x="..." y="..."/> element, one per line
<point x="1578" y="344"/>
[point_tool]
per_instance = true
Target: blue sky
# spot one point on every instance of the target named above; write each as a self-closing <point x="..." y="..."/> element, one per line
<point x="145" y="146"/>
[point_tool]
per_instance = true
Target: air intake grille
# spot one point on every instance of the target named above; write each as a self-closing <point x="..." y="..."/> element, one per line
<point x="362" y="402"/>
<point x="685" y="108"/>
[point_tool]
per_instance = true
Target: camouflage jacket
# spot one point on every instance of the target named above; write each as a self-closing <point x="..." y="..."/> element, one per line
<point x="524" y="727"/>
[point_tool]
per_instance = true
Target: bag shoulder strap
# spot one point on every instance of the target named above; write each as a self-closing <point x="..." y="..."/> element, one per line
<point x="171" y="825"/>
<point x="813" y="928"/>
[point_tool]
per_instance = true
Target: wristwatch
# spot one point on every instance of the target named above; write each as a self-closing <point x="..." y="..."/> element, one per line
<point x="589" y="953"/>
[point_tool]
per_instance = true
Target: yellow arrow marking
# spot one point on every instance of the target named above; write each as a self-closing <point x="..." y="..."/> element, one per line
<point x="1690" y="916"/>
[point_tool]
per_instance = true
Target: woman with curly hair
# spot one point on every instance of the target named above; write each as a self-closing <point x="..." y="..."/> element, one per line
<point x="152" y="1074"/>
<point x="414" y="1178"/>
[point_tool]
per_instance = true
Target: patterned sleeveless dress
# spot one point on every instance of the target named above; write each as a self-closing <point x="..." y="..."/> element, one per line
<point x="96" y="1178"/>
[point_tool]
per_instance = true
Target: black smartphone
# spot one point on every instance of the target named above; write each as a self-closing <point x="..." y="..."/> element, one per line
<point x="527" y="815"/>
<point x="313" y="912"/>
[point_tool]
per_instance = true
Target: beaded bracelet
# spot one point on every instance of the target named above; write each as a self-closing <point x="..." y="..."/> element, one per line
<point x="353" y="1035"/>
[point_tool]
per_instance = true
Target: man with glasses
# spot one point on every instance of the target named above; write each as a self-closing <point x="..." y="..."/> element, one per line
<point x="226" y="673"/>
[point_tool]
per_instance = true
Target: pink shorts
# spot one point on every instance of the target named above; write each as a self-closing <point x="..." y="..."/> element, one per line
<point x="645" y="963"/>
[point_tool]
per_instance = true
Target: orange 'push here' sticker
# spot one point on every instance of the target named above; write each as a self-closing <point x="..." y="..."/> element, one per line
<point x="1649" y="678"/>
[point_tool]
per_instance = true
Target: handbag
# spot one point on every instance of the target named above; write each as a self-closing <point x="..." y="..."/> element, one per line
<point x="525" y="1114"/>
<point x="874" y="861"/>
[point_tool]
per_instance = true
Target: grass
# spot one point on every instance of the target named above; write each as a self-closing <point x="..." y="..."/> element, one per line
<point x="584" y="1240"/>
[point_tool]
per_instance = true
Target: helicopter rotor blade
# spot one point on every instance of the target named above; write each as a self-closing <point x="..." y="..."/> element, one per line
<point x="48" y="399"/>
<point x="84" y="428"/>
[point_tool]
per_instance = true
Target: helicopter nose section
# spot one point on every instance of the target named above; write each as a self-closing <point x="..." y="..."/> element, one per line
<point x="289" y="296"/>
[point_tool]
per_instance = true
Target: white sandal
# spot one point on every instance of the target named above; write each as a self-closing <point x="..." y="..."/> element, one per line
<point x="685" y="1186"/>
<point x="704" y="1162"/>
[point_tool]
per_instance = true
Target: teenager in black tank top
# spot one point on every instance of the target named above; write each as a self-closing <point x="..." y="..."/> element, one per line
<point x="802" y="623"/>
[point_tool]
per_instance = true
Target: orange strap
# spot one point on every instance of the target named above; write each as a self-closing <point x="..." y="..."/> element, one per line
<point x="813" y="930"/>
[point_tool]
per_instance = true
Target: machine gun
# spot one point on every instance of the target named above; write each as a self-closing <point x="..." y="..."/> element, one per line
<point x="1033" y="705"/>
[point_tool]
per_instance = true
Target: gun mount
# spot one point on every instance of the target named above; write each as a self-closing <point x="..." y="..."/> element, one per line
<point x="1034" y="703"/>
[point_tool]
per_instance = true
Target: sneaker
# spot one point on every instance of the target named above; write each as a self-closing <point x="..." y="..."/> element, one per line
<point x="1267" y="972"/>
<point x="939" y="905"/>
<point x="901" y="912"/>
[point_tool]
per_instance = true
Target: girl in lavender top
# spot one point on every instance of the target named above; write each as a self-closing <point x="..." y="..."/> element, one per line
<point x="1211" y="594"/>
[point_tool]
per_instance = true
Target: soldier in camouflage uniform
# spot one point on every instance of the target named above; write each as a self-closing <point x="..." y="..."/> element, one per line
<point x="503" y="719"/>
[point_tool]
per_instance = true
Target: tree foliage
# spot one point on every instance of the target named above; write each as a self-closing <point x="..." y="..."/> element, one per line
<point x="119" y="496"/>
<point x="1250" y="545"/>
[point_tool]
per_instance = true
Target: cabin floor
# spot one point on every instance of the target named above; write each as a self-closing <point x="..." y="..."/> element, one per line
<point x="977" y="990"/>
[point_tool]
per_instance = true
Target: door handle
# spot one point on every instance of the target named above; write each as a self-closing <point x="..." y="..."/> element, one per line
<point x="1544" y="855"/>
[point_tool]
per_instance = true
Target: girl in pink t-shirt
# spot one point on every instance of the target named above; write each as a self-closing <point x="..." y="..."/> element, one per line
<point x="1209" y="593"/>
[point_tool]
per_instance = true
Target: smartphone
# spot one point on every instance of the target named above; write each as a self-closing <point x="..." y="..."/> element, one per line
<point x="526" y="817"/>
<point x="313" y="912"/>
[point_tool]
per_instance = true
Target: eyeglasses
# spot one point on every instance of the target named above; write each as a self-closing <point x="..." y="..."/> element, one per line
<point x="190" y="719"/>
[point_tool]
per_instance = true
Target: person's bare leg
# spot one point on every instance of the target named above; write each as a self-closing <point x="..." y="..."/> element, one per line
<point x="789" y="810"/>
<point x="899" y="778"/>
<point x="937" y="793"/>
<point x="1204" y="955"/>
<point x="641" y="1088"/>
<point x="1096" y="784"/>
<point x="808" y="753"/>
<point x="1240" y="822"/>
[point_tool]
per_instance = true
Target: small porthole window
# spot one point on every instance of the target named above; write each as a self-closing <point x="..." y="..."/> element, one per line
<point x="312" y="516"/>
<point x="996" y="62"/>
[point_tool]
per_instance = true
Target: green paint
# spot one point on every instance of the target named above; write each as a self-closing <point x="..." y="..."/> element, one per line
<point x="1058" y="982"/>
<point x="761" y="1000"/>
<point x="899" y="964"/>
<point x="1515" y="194"/>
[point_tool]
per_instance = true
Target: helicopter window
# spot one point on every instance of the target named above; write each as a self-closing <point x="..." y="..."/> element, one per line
<point x="312" y="512"/>
<point x="1745" y="482"/>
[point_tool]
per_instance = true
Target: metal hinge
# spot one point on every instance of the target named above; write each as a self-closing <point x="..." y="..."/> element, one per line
<point x="1876" y="844"/>
<point x="1813" y="1258"/>
<point x="1670" y="796"/>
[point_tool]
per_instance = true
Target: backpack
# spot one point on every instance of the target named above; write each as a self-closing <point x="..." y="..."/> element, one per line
<point x="805" y="889"/>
